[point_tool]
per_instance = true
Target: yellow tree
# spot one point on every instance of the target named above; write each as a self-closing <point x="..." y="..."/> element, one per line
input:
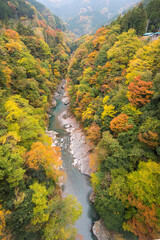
<point x="46" y="157"/>
<point x="146" y="59"/>
<point x="39" y="198"/>
<point x="124" y="49"/>
<point x="4" y="233"/>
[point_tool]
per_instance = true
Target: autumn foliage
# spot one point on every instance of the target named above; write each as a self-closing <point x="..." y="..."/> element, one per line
<point x="150" y="138"/>
<point x="145" y="224"/>
<point x="11" y="34"/>
<point x="140" y="92"/>
<point x="113" y="83"/>
<point x="120" y="123"/>
<point x="93" y="161"/>
<point x="94" y="133"/>
<point x="46" y="157"/>
<point x="33" y="59"/>
<point x="4" y="233"/>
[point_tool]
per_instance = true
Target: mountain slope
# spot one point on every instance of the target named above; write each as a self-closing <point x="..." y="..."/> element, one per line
<point x="51" y="19"/>
<point x="84" y="16"/>
<point x="114" y="87"/>
<point x="20" y="9"/>
<point x="143" y="17"/>
<point x="153" y="11"/>
<point x="33" y="60"/>
<point x="15" y="9"/>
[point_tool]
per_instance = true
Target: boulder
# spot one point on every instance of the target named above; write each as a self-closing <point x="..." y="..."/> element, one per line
<point x="52" y="134"/>
<point x="68" y="126"/>
<point x="92" y="197"/>
<point x="100" y="231"/>
<point x="78" y="146"/>
<point x="65" y="100"/>
<point x="54" y="103"/>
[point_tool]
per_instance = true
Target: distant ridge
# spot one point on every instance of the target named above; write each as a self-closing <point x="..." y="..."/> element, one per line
<point x="86" y="16"/>
<point x="17" y="9"/>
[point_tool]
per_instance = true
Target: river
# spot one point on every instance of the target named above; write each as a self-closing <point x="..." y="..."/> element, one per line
<point x="77" y="184"/>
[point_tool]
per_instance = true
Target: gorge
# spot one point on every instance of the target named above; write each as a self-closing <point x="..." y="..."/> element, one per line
<point x="76" y="183"/>
<point x="103" y="126"/>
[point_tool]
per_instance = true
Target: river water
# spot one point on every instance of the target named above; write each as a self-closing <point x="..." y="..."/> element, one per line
<point x="77" y="184"/>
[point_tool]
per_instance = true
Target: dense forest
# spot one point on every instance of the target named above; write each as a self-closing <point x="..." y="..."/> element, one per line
<point x="34" y="55"/>
<point x="113" y="80"/>
<point x="144" y="17"/>
<point x="114" y="85"/>
<point x="18" y="9"/>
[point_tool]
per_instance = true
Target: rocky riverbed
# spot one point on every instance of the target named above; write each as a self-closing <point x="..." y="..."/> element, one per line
<point x="79" y="149"/>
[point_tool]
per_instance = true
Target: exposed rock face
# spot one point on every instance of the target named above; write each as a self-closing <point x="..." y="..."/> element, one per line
<point x="53" y="135"/>
<point x="101" y="232"/>
<point x="65" y="100"/>
<point x="78" y="145"/>
<point x="53" y="103"/>
<point x="92" y="197"/>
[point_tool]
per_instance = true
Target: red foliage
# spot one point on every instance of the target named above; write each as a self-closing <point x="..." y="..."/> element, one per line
<point x="41" y="23"/>
<point x="94" y="133"/>
<point x="102" y="31"/>
<point x="58" y="30"/>
<point x="11" y="34"/>
<point x="51" y="32"/>
<point x="93" y="162"/>
<point x="120" y="123"/>
<point x="150" y="138"/>
<point x="145" y="224"/>
<point x="85" y="101"/>
<point x="46" y="157"/>
<point x="139" y="92"/>
<point x="11" y="5"/>
<point x="118" y="79"/>
<point x="105" y="88"/>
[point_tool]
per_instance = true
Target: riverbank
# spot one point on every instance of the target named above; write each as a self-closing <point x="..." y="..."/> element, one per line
<point x="78" y="145"/>
<point x="66" y="133"/>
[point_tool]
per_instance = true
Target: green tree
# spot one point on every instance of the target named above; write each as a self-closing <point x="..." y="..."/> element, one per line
<point x="124" y="49"/>
<point x="64" y="215"/>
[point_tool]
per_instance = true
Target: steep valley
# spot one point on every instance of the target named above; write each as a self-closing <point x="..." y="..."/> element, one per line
<point x="102" y="121"/>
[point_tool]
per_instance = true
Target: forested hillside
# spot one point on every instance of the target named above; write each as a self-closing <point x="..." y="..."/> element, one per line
<point x="143" y="18"/>
<point x="114" y="82"/>
<point x="114" y="86"/>
<point x="83" y="17"/>
<point x="16" y="9"/>
<point x="34" y="59"/>
<point x="52" y="20"/>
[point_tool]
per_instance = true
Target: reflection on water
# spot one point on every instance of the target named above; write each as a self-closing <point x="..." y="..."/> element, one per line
<point x="76" y="184"/>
